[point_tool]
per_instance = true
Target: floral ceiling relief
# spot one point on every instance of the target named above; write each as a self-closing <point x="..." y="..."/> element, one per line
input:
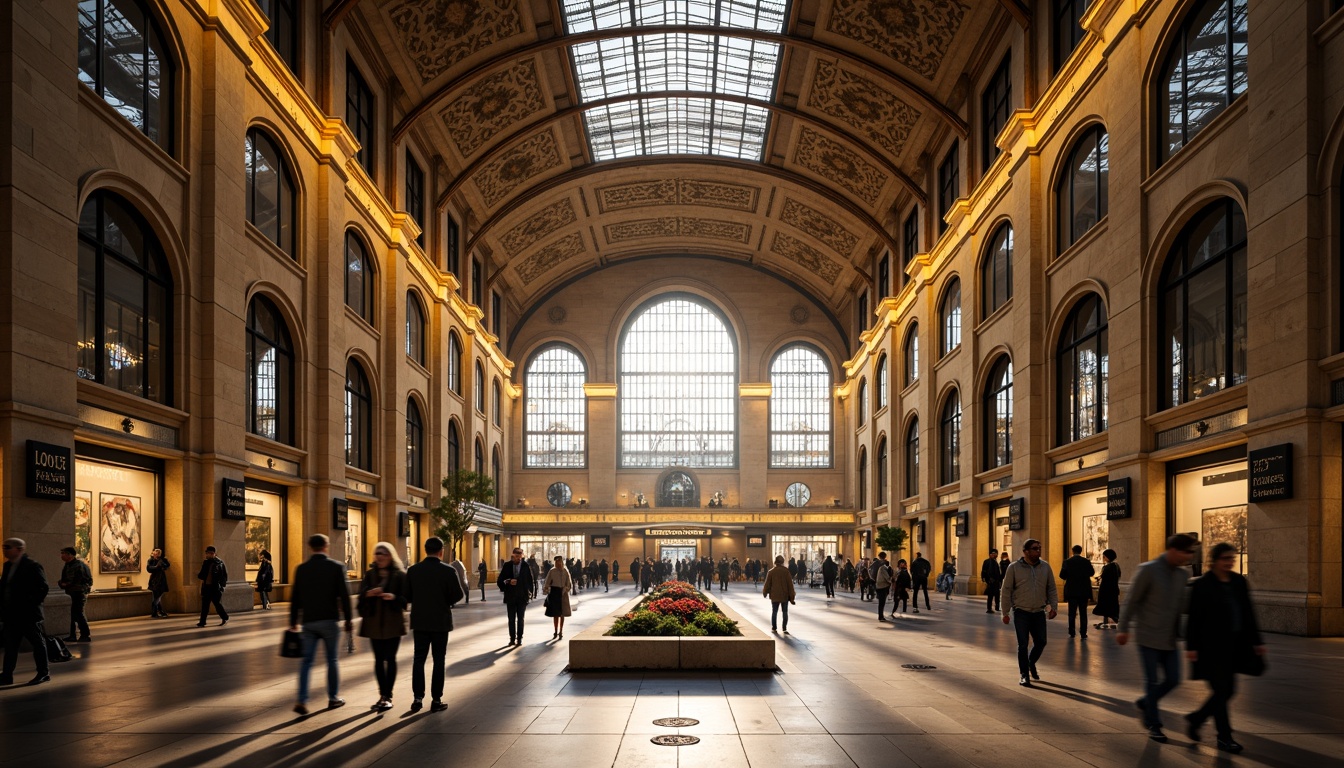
<point x="713" y="194"/>
<point x="678" y="226"/>
<point x="539" y="225"/>
<point x="818" y="225"/>
<point x="493" y="104"/>
<point x="540" y="262"/>
<point x="874" y="112"/>
<point x="809" y="258"/>
<point x="916" y="33"/>
<point x="439" y="33"/>
<point x="832" y="161"/>
<point x="526" y="160"/>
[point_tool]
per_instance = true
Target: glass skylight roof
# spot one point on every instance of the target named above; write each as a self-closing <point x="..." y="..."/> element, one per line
<point x="654" y="64"/>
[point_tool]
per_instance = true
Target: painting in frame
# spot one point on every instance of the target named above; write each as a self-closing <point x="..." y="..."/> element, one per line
<point x="118" y="533"/>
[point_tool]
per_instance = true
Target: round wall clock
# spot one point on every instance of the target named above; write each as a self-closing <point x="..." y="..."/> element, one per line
<point x="558" y="494"/>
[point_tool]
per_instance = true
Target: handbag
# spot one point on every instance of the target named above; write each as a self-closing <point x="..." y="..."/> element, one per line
<point x="291" y="645"/>
<point x="56" y="650"/>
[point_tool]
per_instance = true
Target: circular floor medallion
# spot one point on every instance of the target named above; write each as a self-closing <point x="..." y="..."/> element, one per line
<point x="676" y="722"/>
<point x="918" y="666"/>
<point x="675" y="741"/>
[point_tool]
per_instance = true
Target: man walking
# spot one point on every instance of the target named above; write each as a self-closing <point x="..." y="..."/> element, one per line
<point x="919" y="573"/>
<point x="723" y="574"/>
<point x="829" y="572"/>
<point x="76" y="580"/>
<point x="780" y="591"/>
<point x="602" y="571"/>
<point x="432" y="588"/>
<point x="1156" y="601"/>
<point x="319" y="594"/>
<point x="882" y="578"/>
<point x="1077" y="574"/>
<point x="1029" y="600"/>
<point x="513" y="581"/>
<point x="993" y="578"/>
<point x="214" y="576"/>
<point x="23" y="588"/>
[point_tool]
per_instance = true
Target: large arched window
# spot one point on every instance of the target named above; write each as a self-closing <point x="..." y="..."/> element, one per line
<point x="863" y="478"/>
<point x="800" y="409"/>
<point x="415" y="445"/>
<point x="270" y="190"/>
<point x="949" y="441"/>
<point x="496" y="470"/>
<point x="125" y="294"/>
<point x="496" y="402"/>
<point x="454" y="448"/>
<point x="555" y="409"/>
<point x="678" y="489"/>
<point x="270" y="373"/>
<point x="880" y="459"/>
<point x="124" y="58"/>
<point x="996" y="271"/>
<point x="998" y="418"/>
<point x="1202" y="306"/>
<point x="912" y="459"/>
<point x="1204" y="71"/>
<point x="454" y="363"/>
<point x="861" y="407"/>
<point x="950" y="314"/>
<point x="678" y="386"/>
<point x="478" y="388"/>
<point x="358" y="418"/>
<point x="881" y="377"/>
<point x="912" y="354"/>
<point x="1082" y="364"/>
<point x="358" y="277"/>
<point x="480" y="457"/>
<point x="415" y="328"/>
<point x="1081" y="197"/>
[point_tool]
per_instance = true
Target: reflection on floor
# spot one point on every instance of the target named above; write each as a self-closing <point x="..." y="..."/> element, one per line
<point x="164" y="693"/>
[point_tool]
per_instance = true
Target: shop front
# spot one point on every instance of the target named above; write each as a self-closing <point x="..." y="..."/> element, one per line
<point x="265" y="529"/>
<point x="1207" y="498"/>
<point x="1085" y="521"/>
<point x="118" y="521"/>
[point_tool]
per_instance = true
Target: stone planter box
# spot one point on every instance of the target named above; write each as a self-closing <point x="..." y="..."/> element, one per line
<point x="593" y="649"/>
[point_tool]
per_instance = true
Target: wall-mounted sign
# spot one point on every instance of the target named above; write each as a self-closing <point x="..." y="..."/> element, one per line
<point x="1017" y="514"/>
<point x="602" y="541"/>
<point x="868" y="538"/>
<point x="233" y="495"/>
<point x="340" y="515"/>
<point x="1271" y="473"/>
<point x="919" y="532"/>
<point x="963" y="524"/>
<point x="1117" y="499"/>
<point x="51" y="472"/>
<point x="755" y="541"/>
<point x="403" y="523"/>
<point x="683" y="532"/>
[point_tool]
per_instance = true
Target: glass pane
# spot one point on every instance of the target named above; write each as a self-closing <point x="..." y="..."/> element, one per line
<point x="1173" y="332"/>
<point x="88" y="338"/>
<point x="88" y="42"/>
<point x="265" y="198"/>
<point x="1172" y="108"/>
<point x="1206" y="332"/>
<point x="800" y="410"/>
<point x="125" y="68"/>
<point x="555" y="410"/>
<point x="355" y="277"/>
<point x="1206" y="65"/>
<point x="123" y="313"/>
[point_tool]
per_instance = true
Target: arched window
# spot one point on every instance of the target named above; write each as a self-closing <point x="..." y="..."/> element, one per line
<point x="125" y="293"/>
<point x="1083" y="363"/>
<point x="270" y="373"/>
<point x="863" y="478"/>
<point x="949" y="441"/>
<point x="454" y="363"/>
<point x="555" y="409"/>
<point x="496" y="403"/>
<point x="950" y="313"/>
<point x="1204" y="71"/>
<point x="124" y="58"/>
<point x="415" y="328"/>
<point x="678" y="386"/>
<point x="480" y="457"/>
<point x="861" y="407"/>
<point x="478" y="388"/>
<point x="454" y="448"/>
<point x="496" y="470"/>
<point x="800" y="409"/>
<point x="678" y="489"/>
<point x="999" y="414"/>
<point x="284" y="29"/>
<point x="1202" y="307"/>
<point x="1081" y="197"/>
<point x="912" y="354"/>
<point x="358" y="418"/>
<point x="358" y="277"/>
<point x="912" y="459"/>
<point x="270" y="190"/>
<point x="882" y="382"/>
<point x="880" y="455"/>
<point x="996" y="272"/>
<point x="415" y="445"/>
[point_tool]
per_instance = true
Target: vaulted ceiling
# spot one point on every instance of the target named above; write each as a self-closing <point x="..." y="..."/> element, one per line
<point x="782" y="134"/>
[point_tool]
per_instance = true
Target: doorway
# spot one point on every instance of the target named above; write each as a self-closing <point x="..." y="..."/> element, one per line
<point x="676" y="552"/>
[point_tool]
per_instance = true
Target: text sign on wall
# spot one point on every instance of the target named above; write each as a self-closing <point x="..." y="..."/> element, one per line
<point x="1117" y="499"/>
<point x="340" y="515"/>
<point x="683" y="532"/>
<point x="1017" y="514"/>
<point x="50" y="472"/>
<point x="755" y="541"/>
<point x="595" y="540"/>
<point x="1271" y="473"/>
<point x="233" y="499"/>
<point x="404" y="524"/>
<point x="963" y="524"/>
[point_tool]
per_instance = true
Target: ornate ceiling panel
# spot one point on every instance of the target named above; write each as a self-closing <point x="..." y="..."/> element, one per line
<point x="865" y="106"/>
<point x="916" y="33"/>
<point x="836" y="163"/>
<point x="436" y="34"/>
<point x="704" y="192"/>
<point x="550" y="256"/>
<point x="527" y="160"/>
<point x="678" y="226"/>
<point x="820" y="226"/>
<point x="537" y="226"/>
<point x="493" y="104"/>
<point x="806" y="256"/>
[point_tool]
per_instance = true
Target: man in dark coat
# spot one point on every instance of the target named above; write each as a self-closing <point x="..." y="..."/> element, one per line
<point x="432" y="589"/>
<point x="615" y="570"/>
<point x="602" y="572"/>
<point x="23" y="588"/>
<point x="646" y="575"/>
<point x="919" y="575"/>
<point x="829" y="572"/>
<point x="993" y="579"/>
<point x="76" y="580"/>
<point x="513" y="582"/>
<point x="317" y="598"/>
<point x="723" y="574"/>
<point x="1077" y="574"/>
<point x="214" y="577"/>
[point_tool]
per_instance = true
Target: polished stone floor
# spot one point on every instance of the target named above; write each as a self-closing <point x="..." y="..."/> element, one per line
<point x="164" y="693"/>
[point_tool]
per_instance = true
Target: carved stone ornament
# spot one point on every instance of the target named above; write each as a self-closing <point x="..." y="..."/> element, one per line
<point x="537" y="226"/>
<point x="916" y="33"/>
<point x="525" y="161"/>
<point x="833" y="161"/>
<point x="557" y="314"/>
<point x="799" y="314"/>
<point x="713" y="194"/>
<point x="818" y="225"/>
<point x="809" y="258"/>
<point x="490" y="106"/>
<point x="678" y="226"/>
<point x="538" y="263"/>
<point x="437" y="34"/>
<point x="870" y="109"/>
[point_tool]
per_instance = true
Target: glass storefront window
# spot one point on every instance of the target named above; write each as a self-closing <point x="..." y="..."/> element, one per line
<point x="1088" y="527"/>
<point x="813" y="549"/>
<point x="1210" y="505"/>
<point x="263" y="529"/>
<point x="115" y="522"/>
<point x="355" y="544"/>
<point x="1000" y="537"/>
<point x="547" y="547"/>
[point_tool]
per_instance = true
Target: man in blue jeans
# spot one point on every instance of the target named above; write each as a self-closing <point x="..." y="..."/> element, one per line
<point x="1156" y="601"/>
<point x="318" y="596"/>
<point x="1030" y="598"/>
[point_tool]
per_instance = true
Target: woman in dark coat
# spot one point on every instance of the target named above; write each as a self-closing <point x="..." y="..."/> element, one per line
<point x="1222" y="639"/>
<point x="158" y="583"/>
<point x="1108" y="592"/>
<point x="265" y="578"/>
<point x="382" y="606"/>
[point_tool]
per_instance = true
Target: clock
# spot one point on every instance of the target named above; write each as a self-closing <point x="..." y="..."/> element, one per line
<point x="559" y="494"/>
<point x="797" y="495"/>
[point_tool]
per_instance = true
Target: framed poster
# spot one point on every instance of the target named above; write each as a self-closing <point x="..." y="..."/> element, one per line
<point x="256" y="537"/>
<point x="1096" y="537"/>
<point x="119" y="534"/>
<point x="602" y="541"/>
<point x="83" y="524"/>
<point x="1225" y="524"/>
<point x="755" y="540"/>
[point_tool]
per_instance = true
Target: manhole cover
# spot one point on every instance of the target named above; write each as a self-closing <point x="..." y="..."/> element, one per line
<point x="675" y="741"/>
<point x="918" y="666"/>
<point x="675" y="722"/>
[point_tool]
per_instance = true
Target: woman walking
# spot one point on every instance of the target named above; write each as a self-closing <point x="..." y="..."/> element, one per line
<point x="557" y="596"/>
<point x="1222" y="639"/>
<point x="382" y="605"/>
<point x="1108" y="592"/>
<point x="158" y="583"/>
<point x="265" y="578"/>
<point x="779" y="589"/>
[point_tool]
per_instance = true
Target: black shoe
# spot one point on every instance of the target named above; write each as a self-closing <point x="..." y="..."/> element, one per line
<point x="224" y="621"/>
<point x="69" y="638"/>
<point x="417" y="705"/>
<point x="1083" y="635"/>
<point x="1228" y="745"/>
<point x="1155" y="733"/>
<point x="1034" y="674"/>
<point x="1071" y="634"/>
<point x="336" y="702"/>
<point x="301" y="709"/>
<point x="6" y="679"/>
<point x="1024" y="681"/>
<point x="991" y="610"/>
<point x="202" y="624"/>
<point x="1192" y="727"/>
<point x="85" y="639"/>
<point x="40" y="678"/>
<point x="437" y="706"/>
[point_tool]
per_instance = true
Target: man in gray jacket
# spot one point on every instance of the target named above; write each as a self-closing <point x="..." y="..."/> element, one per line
<point x="1156" y="601"/>
<point x="1029" y="600"/>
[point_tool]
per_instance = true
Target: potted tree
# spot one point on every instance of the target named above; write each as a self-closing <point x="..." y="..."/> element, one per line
<point x="456" y="511"/>
<point x="890" y="539"/>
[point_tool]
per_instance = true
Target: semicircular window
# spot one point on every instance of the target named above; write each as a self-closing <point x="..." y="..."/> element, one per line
<point x="678" y="490"/>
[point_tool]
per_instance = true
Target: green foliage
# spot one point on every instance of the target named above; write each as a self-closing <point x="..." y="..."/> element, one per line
<point x="456" y="513"/>
<point x="891" y="539"/>
<point x="715" y="624"/>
